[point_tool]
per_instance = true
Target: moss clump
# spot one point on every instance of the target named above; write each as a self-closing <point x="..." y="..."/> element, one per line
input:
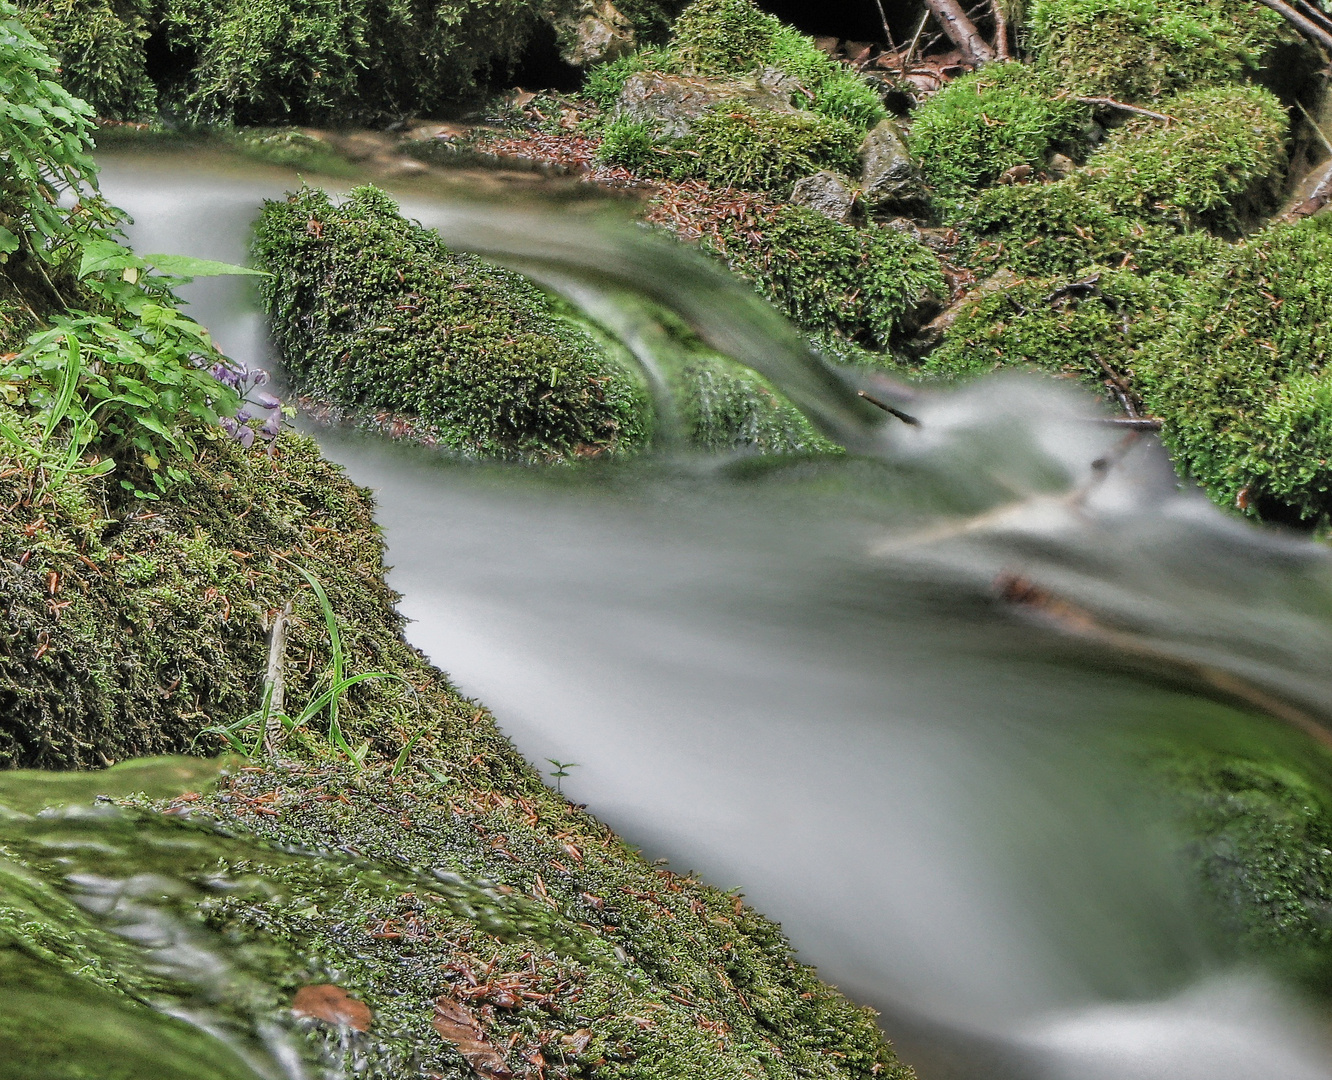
<point x="1242" y="374"/>
<point x="981" y="125"/>
<point x="1052" y="230"/>
<point x="99" y="45"/>
<point x="1091" y="330"/>
<point x="1222" y="159"/>
<point x="1141" y="50"/>
<point x="1260" y="838"/>
<point x="865" y="285"/>
<point x="739" y="146"/>
<point x="372" y="312"/>
<point x="733" y="37"/>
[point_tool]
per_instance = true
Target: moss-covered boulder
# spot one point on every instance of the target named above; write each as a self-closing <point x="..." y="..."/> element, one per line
<point x="1142" y="50"/>
<point x="768" y="106"/>
<point x="374" y="313"/>
<point x="1242" y="375"/>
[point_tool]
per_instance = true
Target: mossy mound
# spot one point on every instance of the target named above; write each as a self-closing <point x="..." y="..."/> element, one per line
<point x="1142" y="50"/>
<point x="984" y="124"/>
<point x="372" y="312"/>
<point x="866" y="285"/>
<point x="1242" y="374"/>
<point x="1219" y="160"/>
<point x="736" y="144"/>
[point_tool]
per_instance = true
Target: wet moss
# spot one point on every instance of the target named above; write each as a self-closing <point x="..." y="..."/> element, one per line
<point x="372" y="312"/>
<point x="1142" y="50"/>
<point x="867" y="285"/>
<point x="1241" y="374"/>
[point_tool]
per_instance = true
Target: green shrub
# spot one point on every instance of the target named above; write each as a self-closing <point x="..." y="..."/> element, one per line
<point x="1242" y="376"/>
<point x="981" y="125"/>
<point x="1141" y="50"/>
<point x="1221" y="162"/>
<point x="99" y="45"/>
<point x="739" y="146"/>
<point x="374" y="313"/>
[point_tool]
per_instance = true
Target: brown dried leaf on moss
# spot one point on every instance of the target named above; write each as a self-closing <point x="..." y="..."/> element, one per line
<point x="333" y="1005"/>
<point x="455" y="1022"/>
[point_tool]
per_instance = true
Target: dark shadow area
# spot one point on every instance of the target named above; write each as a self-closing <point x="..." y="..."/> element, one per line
<point x="167" y="67"/>
<point x="541" y="67"/>
<point x="854" y="20"/>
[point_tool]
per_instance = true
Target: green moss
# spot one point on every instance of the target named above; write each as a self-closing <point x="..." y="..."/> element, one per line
<point x="979" y="126"/>
<point x="1091" y="332"/>
<point x="1242" y="378"/>
<point x="1259" y="834"/>
<point x="628" y="143"/>
<point x="864" y="285"/>
<point x="1049" y="230"/>
<point x="1141" y="50"/>
<point x="372" y="312"/>
<point x="99" y="45"/>
<point x="739" y="146"/>
<point x="1220" y="161"/>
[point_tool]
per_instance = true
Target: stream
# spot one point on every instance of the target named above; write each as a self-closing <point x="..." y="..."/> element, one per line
<point x="799" y="678"/>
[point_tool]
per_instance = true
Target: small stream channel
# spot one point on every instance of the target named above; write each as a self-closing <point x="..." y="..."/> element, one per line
<point x="798" y="679"/>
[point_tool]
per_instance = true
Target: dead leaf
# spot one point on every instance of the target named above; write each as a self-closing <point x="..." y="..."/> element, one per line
<point x="576" y="1042"/>
<point x="455" y="1022"/>
<point x="333" y="1005"/>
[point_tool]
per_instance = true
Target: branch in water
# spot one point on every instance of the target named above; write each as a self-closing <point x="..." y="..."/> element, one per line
<point x="906" y="418"/>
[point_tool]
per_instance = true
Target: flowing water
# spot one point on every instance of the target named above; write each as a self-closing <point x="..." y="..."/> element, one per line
<point x="903" y="699"/>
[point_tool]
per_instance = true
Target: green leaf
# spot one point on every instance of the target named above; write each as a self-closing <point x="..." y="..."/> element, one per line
<point x="101" y="255"/>
<point x="8" y="241"/>
<point x="189" y="266"/>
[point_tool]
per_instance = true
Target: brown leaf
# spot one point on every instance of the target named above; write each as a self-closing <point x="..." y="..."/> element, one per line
<point x="455" y="1022"/>
<point x="333" y="1005"/>
<point x="576" y="1042"/>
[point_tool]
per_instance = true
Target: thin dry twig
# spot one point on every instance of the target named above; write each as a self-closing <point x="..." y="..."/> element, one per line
<point x="1111" y="103"/>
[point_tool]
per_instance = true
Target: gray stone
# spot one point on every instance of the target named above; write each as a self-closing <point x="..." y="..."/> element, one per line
<point x="890" y="177"/>
<point x="671" y="103"/>
<point x="1060" y="166"/>
<point x="827" y="193"/>
<point x="591" y="32"/>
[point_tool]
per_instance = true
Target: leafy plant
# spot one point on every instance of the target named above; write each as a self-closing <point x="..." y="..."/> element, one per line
<point x="238" y="735"/>
<point x="561" y="771"/>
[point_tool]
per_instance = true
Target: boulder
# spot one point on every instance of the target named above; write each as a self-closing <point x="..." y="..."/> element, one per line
<point x="671" y="103"/>
<point x="592" y="32"/>
<point x="827" y="193"/>
<point x="889" y="176"/>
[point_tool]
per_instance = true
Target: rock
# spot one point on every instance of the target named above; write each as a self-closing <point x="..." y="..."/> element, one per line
<point x="890" y="177"/>
<point x="671" y="103"/>
<point x="828" y="194"/>
<point x="592" y="32"/>
<point x="1059" y="166"/>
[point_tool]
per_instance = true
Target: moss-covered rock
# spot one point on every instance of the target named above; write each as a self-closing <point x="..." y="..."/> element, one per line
<point x="1242" y="375"/>
<point x="372" y="312"/>
<point x="1142" y="50"/>
<point x="863" y="284"/>
<point x="1218" y="161"/>
<point x="984" y="124"/>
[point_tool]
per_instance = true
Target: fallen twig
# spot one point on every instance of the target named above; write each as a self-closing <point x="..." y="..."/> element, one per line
<point x="1111" y="103"/>
<point x="906" y="418"/>
<point x="1302" y="23"/>
<point x="1000" y="30"/>
<point x="961" y="31"/>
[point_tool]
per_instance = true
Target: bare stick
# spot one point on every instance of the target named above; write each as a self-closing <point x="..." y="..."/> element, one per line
<point x="887" y="31"/>
<point x="1304" y="25"/>
<point x="915" y="40"/>
<point x="1315" y="13"/>
<point x="1111" y="103"/>
<point x="906" y="418"/>
<point x="275" y="683"/>
<point x="962" y="31"/>
<point x="1000" y="30"/>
